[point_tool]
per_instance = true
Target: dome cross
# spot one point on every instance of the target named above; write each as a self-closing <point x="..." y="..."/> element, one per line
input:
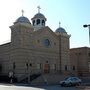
<point x="59" y="24"/>
<point x="22" y="12"/>
<point x="38" y="9"/>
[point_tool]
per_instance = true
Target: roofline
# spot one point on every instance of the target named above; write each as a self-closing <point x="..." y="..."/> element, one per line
<point x="79" y="47"/>
<point x="5" y="44"/>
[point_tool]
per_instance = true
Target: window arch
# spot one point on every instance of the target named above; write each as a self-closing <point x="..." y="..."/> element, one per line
<point x="65" y="67"/>
<point x="33" y="22"/>
<point x="43" y="22"/>
<point x="38" y="21"/>
<point x="14" y="65"/>
<point x="73" y="68"/>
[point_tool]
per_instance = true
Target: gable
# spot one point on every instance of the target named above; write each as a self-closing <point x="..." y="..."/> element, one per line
<point x="46" y="31"/>
<point x="45" y="38"/>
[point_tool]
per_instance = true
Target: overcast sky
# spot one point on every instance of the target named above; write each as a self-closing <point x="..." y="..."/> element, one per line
<point x="71" y="13"/>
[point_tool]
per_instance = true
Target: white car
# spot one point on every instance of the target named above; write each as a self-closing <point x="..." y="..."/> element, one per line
<point x="71" y="81"/>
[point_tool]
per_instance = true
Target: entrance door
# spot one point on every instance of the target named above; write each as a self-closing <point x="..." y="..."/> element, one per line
<point x="46" y="68"/>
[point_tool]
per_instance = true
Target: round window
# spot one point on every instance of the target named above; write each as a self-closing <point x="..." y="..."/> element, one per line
<point x="47" y="42"/>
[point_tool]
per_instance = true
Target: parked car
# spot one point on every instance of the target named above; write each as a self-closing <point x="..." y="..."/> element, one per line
<point x="71" y="81"/>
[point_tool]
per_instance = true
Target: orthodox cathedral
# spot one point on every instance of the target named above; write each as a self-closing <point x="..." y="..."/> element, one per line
<point x="35" y="50"/>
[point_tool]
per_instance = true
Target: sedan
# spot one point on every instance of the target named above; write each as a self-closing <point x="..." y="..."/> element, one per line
<point x="71" y="81"/>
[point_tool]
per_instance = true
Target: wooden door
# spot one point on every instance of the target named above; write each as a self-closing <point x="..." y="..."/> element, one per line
<point x="46" y="68"/>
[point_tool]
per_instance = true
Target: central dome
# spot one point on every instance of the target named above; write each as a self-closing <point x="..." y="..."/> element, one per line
<point x="38" y="20"/>
<point x="22" y="19"/>
<point x="39" y="15"/>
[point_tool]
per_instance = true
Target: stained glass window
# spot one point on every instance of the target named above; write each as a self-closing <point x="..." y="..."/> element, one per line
<point x="46" y="42"/>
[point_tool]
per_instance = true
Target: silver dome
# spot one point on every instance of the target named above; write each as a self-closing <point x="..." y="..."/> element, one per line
<point x="22" y="19"/>
<point x="60" y="30"/>
<point x="39" y="15"/>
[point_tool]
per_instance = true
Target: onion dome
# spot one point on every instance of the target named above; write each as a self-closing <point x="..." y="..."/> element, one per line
<point x="39" y="15"/>
<point x="22" y="19"/>
<point x="60" y="29"/>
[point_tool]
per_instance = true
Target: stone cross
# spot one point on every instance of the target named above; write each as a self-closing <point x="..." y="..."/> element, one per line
<point x="22" y="12"/>
<point x="38" y="9"/>
<point x="59" y="24"/>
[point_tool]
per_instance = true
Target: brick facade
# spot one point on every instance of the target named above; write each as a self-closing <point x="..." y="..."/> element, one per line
<point x="28" y="54"/>
<point x="80" y="60"/>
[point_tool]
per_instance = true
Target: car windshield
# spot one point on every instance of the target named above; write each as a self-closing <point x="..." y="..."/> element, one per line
<point x="66" y="78"/>
<point x="71" y="78"/>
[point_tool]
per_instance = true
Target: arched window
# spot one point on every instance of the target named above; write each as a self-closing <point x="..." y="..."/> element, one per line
<point x="43" y="22"/>
<point x="46" y="42"/>
<point x="65" y="67"/>
<point x="33" y="22"/>
<point x="73" y="68"/>
<point x="27" y="65"/>
<point x="38" y="21"/>
<point x="14" y="65"/>
<point x="39" y="66"/>
<point x="30" y="64"/>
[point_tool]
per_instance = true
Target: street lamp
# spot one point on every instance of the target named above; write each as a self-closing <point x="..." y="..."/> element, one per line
<point x="89" y="30"/>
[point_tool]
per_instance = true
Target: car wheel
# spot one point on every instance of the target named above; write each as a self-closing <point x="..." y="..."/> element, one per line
<point x="78" y="84"/>
<point x="63" y="84"/>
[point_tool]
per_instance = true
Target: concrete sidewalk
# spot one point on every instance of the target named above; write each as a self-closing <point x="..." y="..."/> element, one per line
<point x="83" y="87"/>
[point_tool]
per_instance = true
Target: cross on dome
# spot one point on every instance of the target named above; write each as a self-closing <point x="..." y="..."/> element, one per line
<point x="22" y="12"/>
<point x="59" y="24"/>
<point x="38" y="9"/>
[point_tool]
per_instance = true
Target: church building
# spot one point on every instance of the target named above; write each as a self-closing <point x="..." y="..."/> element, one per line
<point x="35" y="49"/>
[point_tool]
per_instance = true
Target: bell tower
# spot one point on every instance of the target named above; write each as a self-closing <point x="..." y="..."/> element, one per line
<point x="21" y="32"/>
<point x="63" y="49"/>
<point x="21" y="41"/>
<point x="39" y="20"/>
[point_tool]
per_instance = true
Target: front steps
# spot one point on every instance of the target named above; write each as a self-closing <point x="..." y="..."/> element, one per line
<point x="46" y="79"/>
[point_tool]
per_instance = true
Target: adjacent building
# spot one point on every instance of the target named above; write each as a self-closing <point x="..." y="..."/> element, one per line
<point x="80" y="61"/>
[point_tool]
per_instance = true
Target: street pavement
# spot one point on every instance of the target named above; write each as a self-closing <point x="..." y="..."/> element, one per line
<point x="23" y="87"/>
